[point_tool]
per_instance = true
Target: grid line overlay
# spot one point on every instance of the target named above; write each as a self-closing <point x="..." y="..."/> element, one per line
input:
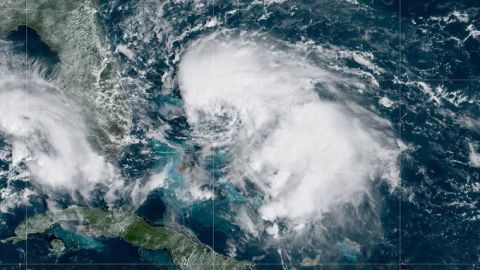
<point x="213" y="140"/>
<point x="400" y="264"/>
<point x="26" y="132"/>
<point x="400" y="102"/>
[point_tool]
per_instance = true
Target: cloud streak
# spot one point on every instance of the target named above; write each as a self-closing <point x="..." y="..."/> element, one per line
<point x="48" y="135"/>
<point x="305" y="155"/>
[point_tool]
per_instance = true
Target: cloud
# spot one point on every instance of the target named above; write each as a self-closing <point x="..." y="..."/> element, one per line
<point x="139" y="191"/>
<point x="47" y="134"/>
<point x="305" y="155"/>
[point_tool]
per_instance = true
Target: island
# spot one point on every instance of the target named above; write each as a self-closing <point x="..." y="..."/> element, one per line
<point x="186" y="250"/>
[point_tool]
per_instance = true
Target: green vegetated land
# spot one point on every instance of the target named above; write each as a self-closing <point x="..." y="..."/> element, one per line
<point x="186" y="250"/>
<point x="87" y="72"/>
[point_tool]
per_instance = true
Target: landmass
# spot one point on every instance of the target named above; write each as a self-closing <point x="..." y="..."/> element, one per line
<point x="186" y="250"/>
<point x="87" y="71"/>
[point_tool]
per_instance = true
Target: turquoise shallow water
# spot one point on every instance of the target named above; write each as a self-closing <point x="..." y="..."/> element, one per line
<point x="427" y="66"/>
<point x="434" y="47"/>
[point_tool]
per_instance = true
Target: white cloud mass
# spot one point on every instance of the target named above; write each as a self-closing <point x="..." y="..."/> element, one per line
<point x="49" y="136"/>
<point x="306" y="155"/>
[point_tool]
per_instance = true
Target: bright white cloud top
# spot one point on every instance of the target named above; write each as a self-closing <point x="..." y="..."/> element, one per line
<point x="49" y="136"/>
<point x="306" y="155"/>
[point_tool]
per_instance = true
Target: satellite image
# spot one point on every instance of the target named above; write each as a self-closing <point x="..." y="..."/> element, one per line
<point x="240" y="134"/>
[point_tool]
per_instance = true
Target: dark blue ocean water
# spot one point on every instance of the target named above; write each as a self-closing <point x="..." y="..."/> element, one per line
<point x="433" y="217"/>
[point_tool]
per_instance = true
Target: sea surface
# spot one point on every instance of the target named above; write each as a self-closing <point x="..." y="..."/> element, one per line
<point x="415" y="65"/>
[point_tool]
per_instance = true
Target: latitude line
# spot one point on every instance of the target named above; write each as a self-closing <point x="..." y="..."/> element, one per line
<point x="400" y="134"/>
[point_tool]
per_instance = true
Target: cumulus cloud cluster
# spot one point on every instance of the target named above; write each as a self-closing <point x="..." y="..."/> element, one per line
<point x="49" y="136"/>
<point x="52" y="147"/>
<point x="306" y="155"/>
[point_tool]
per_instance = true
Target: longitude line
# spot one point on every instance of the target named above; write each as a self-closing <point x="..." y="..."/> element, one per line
<point x="213" y="142"/>
<point x="400" y="134"/>
<point x="26" y="135"/>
